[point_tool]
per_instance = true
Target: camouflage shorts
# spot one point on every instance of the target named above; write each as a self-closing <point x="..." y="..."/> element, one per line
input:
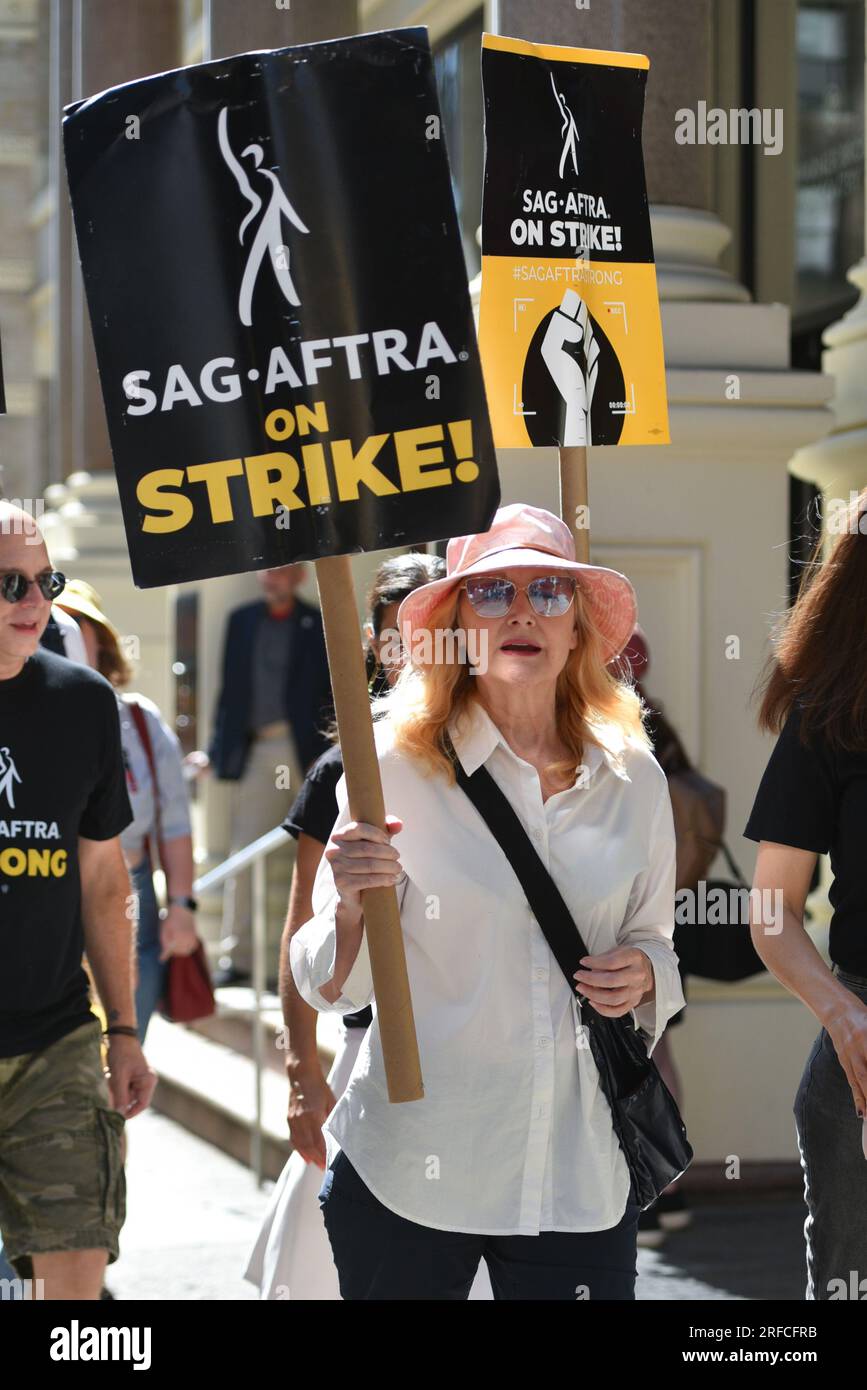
<point x="62" y="1185"/>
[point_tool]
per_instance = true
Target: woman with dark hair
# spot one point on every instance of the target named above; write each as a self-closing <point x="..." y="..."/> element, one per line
<point x="292" y="1251"/>
<point x="812" y="800"/>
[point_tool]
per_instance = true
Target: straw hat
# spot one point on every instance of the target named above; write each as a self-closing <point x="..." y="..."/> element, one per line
<point x="81" y="600"/>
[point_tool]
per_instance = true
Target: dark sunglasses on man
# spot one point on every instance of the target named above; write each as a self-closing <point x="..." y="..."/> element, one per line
<point x="14" y="585"/>
<point x="551" y="595"/>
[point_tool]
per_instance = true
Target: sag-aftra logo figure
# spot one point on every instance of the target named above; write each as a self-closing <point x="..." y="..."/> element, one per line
<point x="268" y="241"/>
<point x="9" y="775"/>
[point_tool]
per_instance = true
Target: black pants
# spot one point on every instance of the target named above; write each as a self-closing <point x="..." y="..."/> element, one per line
<point x="835" y="1173"/>
<point x="380" y="1255"/>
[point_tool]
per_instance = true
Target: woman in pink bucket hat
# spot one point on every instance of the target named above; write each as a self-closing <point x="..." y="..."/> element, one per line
<point x="511" y="1156"/>
<point x="528" y="536"/>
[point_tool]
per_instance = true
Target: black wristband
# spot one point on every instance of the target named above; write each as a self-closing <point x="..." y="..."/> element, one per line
<point x="122" y="1029"/>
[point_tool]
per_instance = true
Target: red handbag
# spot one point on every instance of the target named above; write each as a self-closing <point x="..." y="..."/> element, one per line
<point x="188" y="994"/>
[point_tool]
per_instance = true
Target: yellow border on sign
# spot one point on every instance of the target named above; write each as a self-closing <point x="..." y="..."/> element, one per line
<point x="570" y="55"/>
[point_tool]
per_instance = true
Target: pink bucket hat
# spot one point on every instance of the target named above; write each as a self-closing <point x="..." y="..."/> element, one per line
<point x="529" y="536"/>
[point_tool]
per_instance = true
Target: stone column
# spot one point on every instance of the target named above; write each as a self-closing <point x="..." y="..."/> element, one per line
<point x="238" y="28"/>
<point x="688" y="236"/>
<point x="676" y="38"/>
<point x="836" y="464"/>
<point x="20" y="471"/>
<point x="110" y="44"/>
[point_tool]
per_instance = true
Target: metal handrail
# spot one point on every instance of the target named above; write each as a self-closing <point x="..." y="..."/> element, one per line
<point x="251" y="857"/>
<point x="256" y="849"/>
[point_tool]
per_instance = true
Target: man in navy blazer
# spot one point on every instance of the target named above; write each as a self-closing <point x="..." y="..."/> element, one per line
<point x="274" y="703"/>
<point x="306" y="693"/>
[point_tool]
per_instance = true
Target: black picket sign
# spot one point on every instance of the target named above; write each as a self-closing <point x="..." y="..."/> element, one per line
<point x="280" y="308"/>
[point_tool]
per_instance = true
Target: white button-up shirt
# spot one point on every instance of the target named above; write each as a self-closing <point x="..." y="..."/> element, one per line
<point x="514" y="1134"/>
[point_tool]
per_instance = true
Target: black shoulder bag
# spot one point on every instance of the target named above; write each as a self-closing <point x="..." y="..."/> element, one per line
<point x="646" y="1119"/>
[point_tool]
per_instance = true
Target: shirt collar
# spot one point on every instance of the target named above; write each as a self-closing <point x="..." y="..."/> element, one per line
<point x="475" y="736"/>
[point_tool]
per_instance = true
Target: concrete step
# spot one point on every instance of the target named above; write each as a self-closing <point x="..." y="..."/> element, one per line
<point x="207" y="1077"/>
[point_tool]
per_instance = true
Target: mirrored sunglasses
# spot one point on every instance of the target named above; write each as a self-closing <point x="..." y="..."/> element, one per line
<point x="13" y="586"/>
<point x="550" y="595"/>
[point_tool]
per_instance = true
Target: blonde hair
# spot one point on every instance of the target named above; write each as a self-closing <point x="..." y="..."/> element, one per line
<point x="593" y="706"/>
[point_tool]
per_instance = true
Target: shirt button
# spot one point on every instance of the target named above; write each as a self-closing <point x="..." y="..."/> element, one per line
<point x="540" y="974"/>
<point x="543" y="1042"/>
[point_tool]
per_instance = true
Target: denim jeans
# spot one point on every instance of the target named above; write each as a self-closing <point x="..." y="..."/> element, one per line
<point x="151" y="971"/>
<point x="835" y="1170"/>
<point x="380" y="1255"/>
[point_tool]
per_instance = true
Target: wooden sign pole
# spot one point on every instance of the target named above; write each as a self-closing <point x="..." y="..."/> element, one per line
<point x="574" y="494"/>
<point x="364" y="785"/>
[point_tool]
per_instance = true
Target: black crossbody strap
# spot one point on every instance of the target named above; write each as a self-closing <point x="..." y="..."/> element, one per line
<point x="729" y="858"/>
<point x="543" y="895"/>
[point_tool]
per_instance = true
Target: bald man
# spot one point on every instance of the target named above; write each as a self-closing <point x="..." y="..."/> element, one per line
<point x="64" y="891"/>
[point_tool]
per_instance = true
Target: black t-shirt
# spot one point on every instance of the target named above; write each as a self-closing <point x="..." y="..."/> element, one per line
<point x="61" y="776"/>
<point x="313" y="812"/>
<point x="815" y="798"/>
